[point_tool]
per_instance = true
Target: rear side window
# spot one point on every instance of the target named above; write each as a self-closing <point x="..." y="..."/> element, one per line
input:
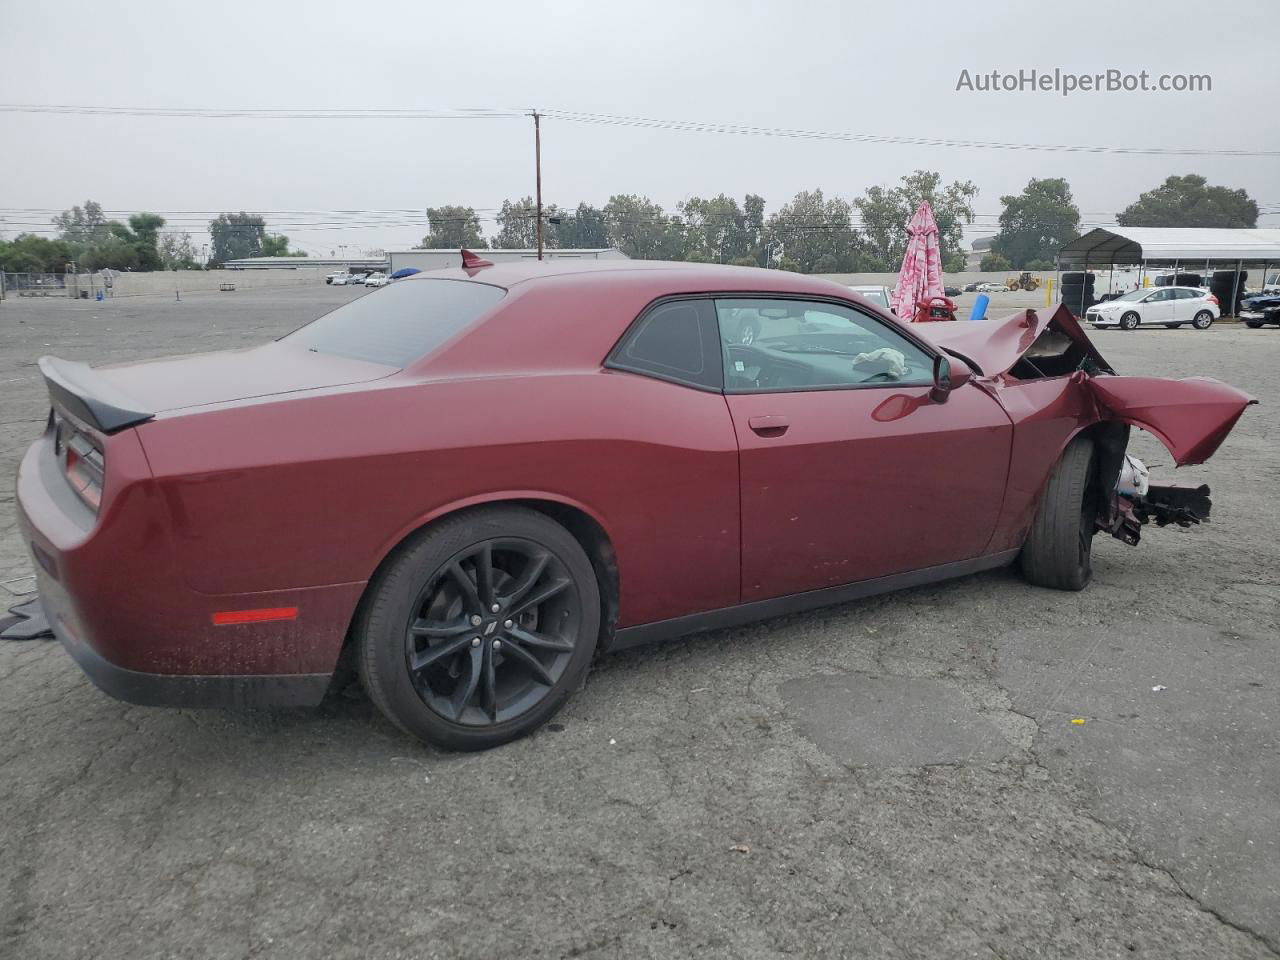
<point x="675" y="340"/>
<point x="398" y="324"/>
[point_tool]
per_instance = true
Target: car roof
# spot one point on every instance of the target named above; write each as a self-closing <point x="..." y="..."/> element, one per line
<point x="660" y="273"/>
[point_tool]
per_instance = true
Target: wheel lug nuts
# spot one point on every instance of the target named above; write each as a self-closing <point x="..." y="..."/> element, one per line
<point x="496" y="607"/>
<point x="508" y="624"/>
<point x="497" y="644"/>
<point x="475" y="641"/>
<point x="476" y="619"/>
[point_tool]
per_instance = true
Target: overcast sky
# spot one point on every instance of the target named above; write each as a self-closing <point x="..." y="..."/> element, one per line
<point x="885" y="69"/>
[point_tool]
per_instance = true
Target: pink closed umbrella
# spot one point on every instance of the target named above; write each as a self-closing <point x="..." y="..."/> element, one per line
<point x="921" y="273"/>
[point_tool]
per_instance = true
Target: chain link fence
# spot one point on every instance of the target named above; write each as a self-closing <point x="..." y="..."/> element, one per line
<point x="83" y="286"/>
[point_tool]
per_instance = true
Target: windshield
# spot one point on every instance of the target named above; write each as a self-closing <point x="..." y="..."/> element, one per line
<point x="400" y="323"/>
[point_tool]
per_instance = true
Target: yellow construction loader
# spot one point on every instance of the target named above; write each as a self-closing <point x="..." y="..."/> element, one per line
<point x="1024" y="282"/>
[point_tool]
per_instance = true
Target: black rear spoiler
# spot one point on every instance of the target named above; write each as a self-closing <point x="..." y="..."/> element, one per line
<point x="87" y="395"/>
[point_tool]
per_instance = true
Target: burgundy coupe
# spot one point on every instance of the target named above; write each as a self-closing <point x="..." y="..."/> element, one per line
<point x="473" y="481"/>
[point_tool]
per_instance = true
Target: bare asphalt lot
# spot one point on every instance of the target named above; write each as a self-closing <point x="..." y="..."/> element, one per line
<point x="898" y="777"/>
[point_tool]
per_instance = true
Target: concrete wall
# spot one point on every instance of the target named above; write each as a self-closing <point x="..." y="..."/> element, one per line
<point x="951" y="279"/>
<point x="192" y="281"/>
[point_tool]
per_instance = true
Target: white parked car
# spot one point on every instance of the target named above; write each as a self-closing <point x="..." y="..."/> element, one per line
<point x="376" y="280"/>
<point x="877" y="295"/>
<point x="1167" y="306"/>
<point x="993" y="288"/>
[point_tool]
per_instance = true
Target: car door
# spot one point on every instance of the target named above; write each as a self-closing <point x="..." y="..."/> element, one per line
<point x="1157" y="308"/>
<point x="1186" y="303"/>
<point x="848" y="469"/>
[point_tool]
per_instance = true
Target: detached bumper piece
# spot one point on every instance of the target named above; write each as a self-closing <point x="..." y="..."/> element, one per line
<point x="26" y="621"/>
<point x="1183" y="506"/>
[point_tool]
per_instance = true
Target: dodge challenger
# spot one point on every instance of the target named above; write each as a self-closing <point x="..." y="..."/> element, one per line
<point x="471" y="482"/>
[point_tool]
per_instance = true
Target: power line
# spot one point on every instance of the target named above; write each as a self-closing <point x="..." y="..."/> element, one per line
<point x="574" y="116"/>
<point x="691" y="126"/>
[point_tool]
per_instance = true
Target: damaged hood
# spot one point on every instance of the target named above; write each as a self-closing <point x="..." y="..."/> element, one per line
<point x="996" y="345"/>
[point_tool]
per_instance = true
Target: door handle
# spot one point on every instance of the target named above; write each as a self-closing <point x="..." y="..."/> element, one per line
<point x="769" y="426"/>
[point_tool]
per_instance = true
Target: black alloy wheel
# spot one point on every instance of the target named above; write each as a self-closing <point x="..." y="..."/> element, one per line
<point x="480" y="627"/>
<point x="492" y="631"/>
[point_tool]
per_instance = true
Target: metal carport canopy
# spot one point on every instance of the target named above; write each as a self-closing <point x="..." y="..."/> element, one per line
<point x="1101" y="248"/>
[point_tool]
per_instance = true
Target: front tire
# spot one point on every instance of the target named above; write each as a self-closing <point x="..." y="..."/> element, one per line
<point x="479" y="628"/>
<point x="1253" y="324"/>
<point x="1202" y="320"/>
<point x="1129" y="321"/>
<point x="1058" y="552"/>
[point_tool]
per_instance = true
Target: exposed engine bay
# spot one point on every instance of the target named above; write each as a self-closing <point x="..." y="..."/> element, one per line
<point x="1190" y="417"/>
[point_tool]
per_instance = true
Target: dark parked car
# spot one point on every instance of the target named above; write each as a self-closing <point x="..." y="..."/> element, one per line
<point x="477" y="479"/>
<point x="951" y="291"/>
<point x="1260" y="309"/>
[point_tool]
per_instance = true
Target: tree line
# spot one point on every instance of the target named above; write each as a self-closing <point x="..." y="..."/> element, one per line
<point x="812" y="233"/>
<point x="88" y="239"/>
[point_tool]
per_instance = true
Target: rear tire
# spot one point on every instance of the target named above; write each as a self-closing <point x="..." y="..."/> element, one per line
<point x="417" y="653"/>
<point x="1203" y="320"/>
<point x="1058" y="552"/>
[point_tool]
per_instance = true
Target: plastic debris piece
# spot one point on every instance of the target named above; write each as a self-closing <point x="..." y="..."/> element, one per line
<point x="740" y="848"/>
<point x="1158" y="687"/>
<point x="27" y="622"/>
<point x="1078" y="720"/>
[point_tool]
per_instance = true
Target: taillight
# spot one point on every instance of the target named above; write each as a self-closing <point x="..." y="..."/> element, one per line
<point x="82" y="461"/>
<point x="1212" y="299"/>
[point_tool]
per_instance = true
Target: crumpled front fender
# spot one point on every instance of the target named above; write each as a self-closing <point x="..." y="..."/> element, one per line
<point x="1190" y="417"/>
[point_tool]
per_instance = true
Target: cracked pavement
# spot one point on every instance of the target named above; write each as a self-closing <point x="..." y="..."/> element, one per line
<point x="898" y="777"/>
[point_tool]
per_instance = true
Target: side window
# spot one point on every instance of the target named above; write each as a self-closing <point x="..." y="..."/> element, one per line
<point x="1160" y="296"/>
<point x="773" y="345"/>
<point x="675" y="341"/>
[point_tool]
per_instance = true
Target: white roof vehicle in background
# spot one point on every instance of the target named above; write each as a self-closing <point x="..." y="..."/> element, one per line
<point x="376" y="280"/>
<point x="878" y="295"/>
<point x="1157" y="306"/>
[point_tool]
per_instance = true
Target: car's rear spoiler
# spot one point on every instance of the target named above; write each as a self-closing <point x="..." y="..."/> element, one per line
<point x="85" y="394"/>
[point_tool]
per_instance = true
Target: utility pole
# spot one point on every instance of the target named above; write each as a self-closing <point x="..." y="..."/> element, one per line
<point x="537" y="161"/>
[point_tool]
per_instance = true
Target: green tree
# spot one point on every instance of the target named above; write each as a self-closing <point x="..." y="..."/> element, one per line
<point x="1037" y="223"/>
<point x="146" y="230"/>
<point x="719" y="231"/>
<point x="584" y="229"/>
<point x="453" y="227"/>
<point x="82" y="225"/>
<point x="885" y="213"/>
<point x="28" y="253"/>
<point x="178" y="251"/>
<point x="753" y="219"/>
<point x="518" y="225"/>
<point x="1190" y="202"/>
<point x="813" y="230"/>
<point x="236" y="236"/>
<point x="994" y="263"/>
<point x="640" y="229"/>
<point x="277" y="245"/>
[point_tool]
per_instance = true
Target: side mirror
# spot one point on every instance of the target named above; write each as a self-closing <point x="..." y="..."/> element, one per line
<point x="948" y="374"/>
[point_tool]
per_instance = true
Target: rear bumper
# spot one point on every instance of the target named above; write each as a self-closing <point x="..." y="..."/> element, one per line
<point x="172" y="690"/>
<point x="115" y="599"/>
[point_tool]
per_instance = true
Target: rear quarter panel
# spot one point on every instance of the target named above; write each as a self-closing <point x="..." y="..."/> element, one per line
<point x="316" y="490"/>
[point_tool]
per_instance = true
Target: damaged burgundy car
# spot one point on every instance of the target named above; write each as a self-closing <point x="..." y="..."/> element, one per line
<point x="472" y="481"/>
